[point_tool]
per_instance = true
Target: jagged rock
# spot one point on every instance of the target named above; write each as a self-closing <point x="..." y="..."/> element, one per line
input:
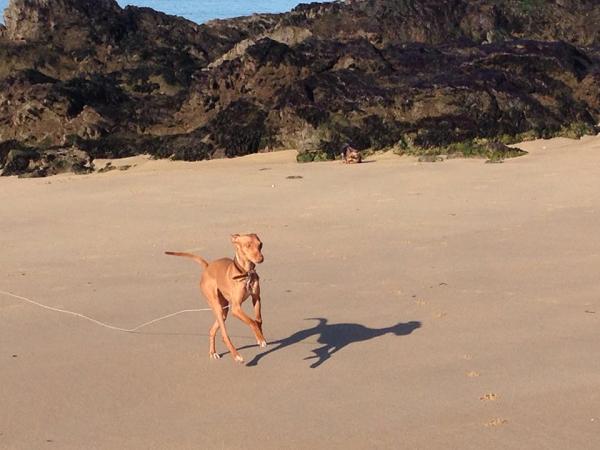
<point x="249" y="122"/>
<point x="34" y="20"/>
<point x="15" y="158"/>
<point x="29" y="162"/>
<point x="380" y="74"/>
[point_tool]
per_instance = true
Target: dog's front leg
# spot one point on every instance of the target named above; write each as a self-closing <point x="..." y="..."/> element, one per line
<point x="257" y="315"/>
<point x="236" y="310"/>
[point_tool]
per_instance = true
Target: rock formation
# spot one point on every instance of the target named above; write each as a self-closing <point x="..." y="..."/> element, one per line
<point x="88" y="77"/>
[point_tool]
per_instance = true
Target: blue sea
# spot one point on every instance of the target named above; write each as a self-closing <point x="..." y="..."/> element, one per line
<point x="200" y="11"/>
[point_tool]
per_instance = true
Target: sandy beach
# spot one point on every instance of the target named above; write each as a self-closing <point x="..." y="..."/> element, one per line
<point x="450" y="305"/>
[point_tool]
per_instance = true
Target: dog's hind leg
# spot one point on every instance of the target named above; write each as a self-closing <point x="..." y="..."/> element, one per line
<point x="212" y="349"/>
<point x="234" y="353"/>
<point x="212" y="352"/>
<point x="221" y="325"/>
<point x="213" y="297"/>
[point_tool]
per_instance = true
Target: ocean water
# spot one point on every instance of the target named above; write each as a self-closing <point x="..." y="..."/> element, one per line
<point x="200" y="11"/>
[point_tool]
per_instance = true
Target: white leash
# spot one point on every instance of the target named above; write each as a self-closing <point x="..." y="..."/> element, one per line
<point x="97" y="322"/>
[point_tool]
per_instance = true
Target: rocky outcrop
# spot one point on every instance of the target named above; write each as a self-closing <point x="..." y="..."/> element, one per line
<point x="78" y="22"/>
<point x="440" y="21"/>
<point x="18" y="159"/>
<point x="110" y="82"/>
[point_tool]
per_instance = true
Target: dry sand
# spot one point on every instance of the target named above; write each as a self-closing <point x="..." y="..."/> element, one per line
<point x="498" y="263"/>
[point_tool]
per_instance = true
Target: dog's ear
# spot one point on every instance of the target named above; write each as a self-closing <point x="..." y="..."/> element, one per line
<point x="234" y="238"/>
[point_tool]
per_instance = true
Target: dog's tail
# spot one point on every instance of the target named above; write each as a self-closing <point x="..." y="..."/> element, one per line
<point x="196" y="258"/>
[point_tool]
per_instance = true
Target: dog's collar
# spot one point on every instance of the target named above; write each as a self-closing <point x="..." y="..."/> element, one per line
<point x="239" y="267"/>
<point x="247" y="275"/>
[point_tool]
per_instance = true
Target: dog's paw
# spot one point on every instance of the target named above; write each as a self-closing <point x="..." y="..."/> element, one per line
<point x="262" y="344"/>
<point x="214" y="356"/>
<point x="239" y="359"/>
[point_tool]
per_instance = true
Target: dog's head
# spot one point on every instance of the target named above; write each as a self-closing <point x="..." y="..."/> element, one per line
<point x="249" y="245"/>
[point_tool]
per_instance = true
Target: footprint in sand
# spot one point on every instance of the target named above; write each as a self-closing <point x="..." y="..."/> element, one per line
<point x="497" y="422"/>
<point x="489" y="397"/>
<point x="472" y="374"/>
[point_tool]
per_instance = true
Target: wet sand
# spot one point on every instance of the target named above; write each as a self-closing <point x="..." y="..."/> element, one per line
<point x="450" y="305"/>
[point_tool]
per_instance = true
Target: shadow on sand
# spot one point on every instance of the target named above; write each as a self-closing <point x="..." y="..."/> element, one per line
<point x="335" y="337"/>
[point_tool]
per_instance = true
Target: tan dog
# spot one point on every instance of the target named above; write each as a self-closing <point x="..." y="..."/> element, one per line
<point x="226" y="283"/>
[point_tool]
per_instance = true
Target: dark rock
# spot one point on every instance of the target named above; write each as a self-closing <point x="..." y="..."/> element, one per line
<point x="30" y="162"/>
<point x="108" y="167"/>
<point x="425" y="74"/>
<point x="64" y="160"/>
<point x="16" y="158"/>
<point x="40" y="19"/>
<point x="239" y="128"/>
<point x="194" y="151"/>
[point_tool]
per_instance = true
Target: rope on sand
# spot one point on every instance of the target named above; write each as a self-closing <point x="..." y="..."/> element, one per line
<point x="97" y="322"/>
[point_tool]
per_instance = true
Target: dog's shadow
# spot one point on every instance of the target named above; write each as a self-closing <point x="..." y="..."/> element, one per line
<point x="334" y="337"/>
